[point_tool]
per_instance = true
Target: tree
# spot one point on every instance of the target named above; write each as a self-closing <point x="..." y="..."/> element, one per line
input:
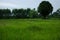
<point x="33" y="13"/>
<point x="14" y="12"/>
<point x="57" y="13"/>
<point x="45" y="8"/>
<point x="21" y="13"/>
<point x="28" y="12"/>
<point x="6" y="13"/>
<point x="1" y="14"/>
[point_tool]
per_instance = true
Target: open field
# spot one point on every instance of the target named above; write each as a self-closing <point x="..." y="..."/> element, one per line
<point x="29" y="29"/>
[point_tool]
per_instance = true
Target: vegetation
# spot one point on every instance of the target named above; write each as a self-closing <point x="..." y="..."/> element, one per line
<point x="30" y="26"/>
<point x="18" y="13"/>
<point x="56" y="14"/>
<point x="45" y="8"/>
<point x="29" y="29"/>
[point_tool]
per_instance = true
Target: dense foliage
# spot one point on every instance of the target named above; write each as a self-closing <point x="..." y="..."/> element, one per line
<point x="45" y="8"/>
<point x="56" y="14"/>
<point x="18" y="13"/>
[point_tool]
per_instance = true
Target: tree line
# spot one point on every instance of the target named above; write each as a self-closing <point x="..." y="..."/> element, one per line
<point x="44" y="10"/>
<point x="18" y="13"/>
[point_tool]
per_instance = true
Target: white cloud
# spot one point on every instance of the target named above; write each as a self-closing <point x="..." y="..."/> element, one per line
<point x="11" y="5"/>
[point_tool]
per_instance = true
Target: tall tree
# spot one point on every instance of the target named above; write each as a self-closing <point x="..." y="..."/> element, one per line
<point x="45" y="8"/>
<point x="6" y="13"/>
<point x="57" y="13"/>
<point x="1" y="14"/>
<point x="21" y="13"/>
<point x="28" y="12"/>
<point x="33" y="13"/>
<point x="14" y="12"/>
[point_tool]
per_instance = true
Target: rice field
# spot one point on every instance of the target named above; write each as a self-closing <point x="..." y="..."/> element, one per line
<point x="29" y="29"/>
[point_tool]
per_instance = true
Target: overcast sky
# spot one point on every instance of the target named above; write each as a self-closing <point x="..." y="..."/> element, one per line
<point x="11" y="4"/>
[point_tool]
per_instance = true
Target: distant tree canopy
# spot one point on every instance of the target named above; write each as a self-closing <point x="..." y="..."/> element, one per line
<point x="45" y="8"/>
<point x="5" y="13"/>
<point x="18" y="13"/>
<point x="56" y="14"/>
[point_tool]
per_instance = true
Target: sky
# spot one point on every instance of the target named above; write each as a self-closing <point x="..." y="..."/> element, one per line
<point x="11" y="4"/>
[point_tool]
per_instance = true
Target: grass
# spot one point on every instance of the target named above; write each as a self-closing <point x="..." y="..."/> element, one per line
<point x="29" y="29"/>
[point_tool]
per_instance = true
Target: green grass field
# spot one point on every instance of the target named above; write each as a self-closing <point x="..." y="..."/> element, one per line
<point x="29" y="29"/>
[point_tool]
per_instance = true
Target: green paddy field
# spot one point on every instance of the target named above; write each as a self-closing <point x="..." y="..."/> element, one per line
<point x="29" y="29"/>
